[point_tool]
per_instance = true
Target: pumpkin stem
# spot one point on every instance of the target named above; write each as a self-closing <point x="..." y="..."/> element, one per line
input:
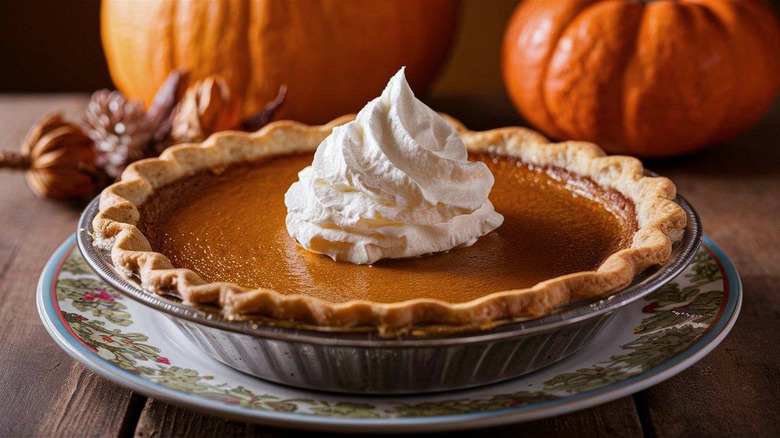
<point x="14" y="160"/>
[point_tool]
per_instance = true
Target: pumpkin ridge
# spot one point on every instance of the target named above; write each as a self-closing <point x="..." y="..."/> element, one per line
<point x="687" y="73"/>
<point x="747" y="15"/>
<point x="338" y="59"/>
<point x="546" y="67"/>
<point x="684" y="103"/>
<point x="717" y="31"/>
<point x="622" y="138"/>
<point x="172" y="32"/>
<point x="629" y="69"/>
<point x="248" y="67"/>
<point x="715" y="134"/>
<point x="587" y="105"/>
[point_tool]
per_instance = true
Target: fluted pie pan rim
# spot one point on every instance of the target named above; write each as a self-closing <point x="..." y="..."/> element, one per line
<point x="661" y="222"/>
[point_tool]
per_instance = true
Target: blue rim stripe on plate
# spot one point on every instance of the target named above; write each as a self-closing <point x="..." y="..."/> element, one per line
<point x="48" y="309"/>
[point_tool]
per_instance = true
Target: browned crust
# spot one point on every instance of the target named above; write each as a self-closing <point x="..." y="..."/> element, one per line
<point x="660" y="220"/>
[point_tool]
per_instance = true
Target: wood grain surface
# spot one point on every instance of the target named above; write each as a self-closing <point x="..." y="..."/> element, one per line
<point x="732" y="392"/>
<point x="618" y="418"/>
<point x="42" y="390"/>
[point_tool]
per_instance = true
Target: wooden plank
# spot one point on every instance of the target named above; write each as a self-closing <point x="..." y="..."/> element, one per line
<point x="618" y="418"/>
<point x="160" y="419"/>
<point x="42" y="391"/>
<point x="733" y="391"/>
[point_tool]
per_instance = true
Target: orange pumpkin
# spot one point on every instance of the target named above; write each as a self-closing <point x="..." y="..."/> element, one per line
<point x="334" y="55"/>
<point x="650" y="79"/>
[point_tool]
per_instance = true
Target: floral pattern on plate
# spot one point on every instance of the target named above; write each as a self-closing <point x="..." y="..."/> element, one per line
<point x="667" y="323"/>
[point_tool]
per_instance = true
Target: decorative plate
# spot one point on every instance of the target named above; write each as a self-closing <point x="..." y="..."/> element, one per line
<point x="647" y="342"/>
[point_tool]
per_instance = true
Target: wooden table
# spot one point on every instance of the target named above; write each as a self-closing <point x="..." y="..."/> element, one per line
<point x="735" y="391"/>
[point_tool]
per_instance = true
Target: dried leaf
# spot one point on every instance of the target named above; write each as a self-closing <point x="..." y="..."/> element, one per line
<point x="165" y="100"/>
<point x="207" y="107"/>
<point x="262" y="118"/>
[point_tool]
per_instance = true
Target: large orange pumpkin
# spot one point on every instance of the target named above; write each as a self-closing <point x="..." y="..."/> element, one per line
<point x="652" y="79"/>
<point x="334" y="55"/>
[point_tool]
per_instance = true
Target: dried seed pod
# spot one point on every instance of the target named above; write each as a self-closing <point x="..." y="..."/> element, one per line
<point x="59" y="158"/>
<point x="206" y="107"/>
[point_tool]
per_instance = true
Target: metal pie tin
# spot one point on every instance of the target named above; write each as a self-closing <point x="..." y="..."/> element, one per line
<point x="364" y="362"/>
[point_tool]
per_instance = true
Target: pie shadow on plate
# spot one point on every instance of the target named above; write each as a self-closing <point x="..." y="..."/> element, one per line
<point x="364" y="362"/>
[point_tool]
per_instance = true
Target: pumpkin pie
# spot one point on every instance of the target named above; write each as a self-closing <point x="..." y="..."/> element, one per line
<point x="207" y="223"/>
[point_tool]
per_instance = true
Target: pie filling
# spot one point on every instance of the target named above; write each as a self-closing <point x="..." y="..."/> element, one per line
<point x="230" y="227"/>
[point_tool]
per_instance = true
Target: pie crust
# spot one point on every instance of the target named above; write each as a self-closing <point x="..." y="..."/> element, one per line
<point x="660" y="221"/>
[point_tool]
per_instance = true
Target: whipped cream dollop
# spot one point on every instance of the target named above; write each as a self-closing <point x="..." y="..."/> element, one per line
<point x="394" y="183"/>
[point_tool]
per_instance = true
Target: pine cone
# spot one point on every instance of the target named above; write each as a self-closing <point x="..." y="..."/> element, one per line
<point x="60" y="160"/>
<point x="120" y="128"/>
<point x="206" y="107"/>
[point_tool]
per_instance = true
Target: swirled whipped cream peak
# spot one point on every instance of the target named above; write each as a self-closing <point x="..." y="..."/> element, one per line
<point x="394" y="183"/>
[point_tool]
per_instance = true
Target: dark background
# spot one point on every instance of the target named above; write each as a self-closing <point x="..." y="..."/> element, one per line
<point x="51" y="45"/>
